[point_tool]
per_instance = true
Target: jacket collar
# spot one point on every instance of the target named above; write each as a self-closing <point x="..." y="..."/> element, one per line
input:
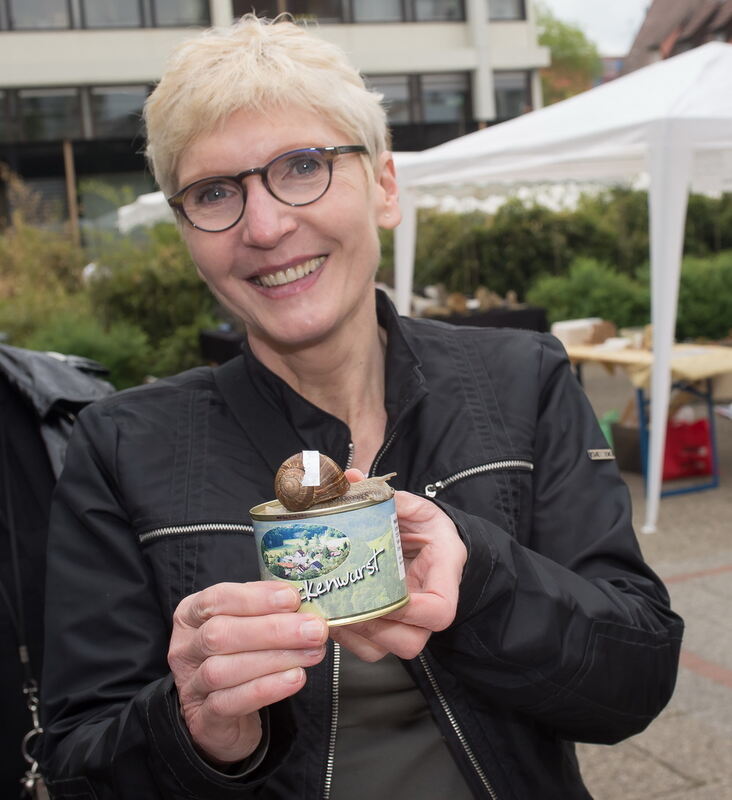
<point x="319" y="430"/>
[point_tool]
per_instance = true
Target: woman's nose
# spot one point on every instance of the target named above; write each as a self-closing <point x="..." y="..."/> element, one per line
<point x="266" y="221"/>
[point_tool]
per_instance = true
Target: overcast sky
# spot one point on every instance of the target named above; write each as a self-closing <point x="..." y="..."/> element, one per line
<point x="610" y="24"/>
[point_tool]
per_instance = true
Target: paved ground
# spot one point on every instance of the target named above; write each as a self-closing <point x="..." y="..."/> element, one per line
<point x="687" y="752"/>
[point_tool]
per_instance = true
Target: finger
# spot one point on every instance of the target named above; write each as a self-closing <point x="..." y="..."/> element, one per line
<point x="358" y="645"/>
<point x="238" y="599"/>
<point x="426" y="610"/>
<point x="354" y="474"/>
<point x="254" y="695"/>
<point x="404" y="641"/>
<point x="225" y="635"/>
<point x="225" y="672"/>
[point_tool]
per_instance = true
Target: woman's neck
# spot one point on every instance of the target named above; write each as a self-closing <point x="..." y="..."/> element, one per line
<point x="343" y="374"/>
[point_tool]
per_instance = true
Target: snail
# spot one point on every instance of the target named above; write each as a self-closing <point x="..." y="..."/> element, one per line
<point x="289" y="488"/>
<point x="334" y="488"/>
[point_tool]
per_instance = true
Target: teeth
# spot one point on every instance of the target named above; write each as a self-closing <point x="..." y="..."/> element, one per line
<point x="290" y="274"/>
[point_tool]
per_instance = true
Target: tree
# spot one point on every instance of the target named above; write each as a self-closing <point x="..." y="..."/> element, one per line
<point x="576" y="62"/>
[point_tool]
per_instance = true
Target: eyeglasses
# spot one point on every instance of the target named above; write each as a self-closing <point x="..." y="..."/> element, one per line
<point x="295" y="178"/>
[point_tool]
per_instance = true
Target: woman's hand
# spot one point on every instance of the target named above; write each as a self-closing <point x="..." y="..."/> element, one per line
<point x="434" y="557"/>
<point x="235" y="648"/>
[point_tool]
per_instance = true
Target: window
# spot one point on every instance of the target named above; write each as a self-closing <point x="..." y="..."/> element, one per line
<point x="444" y="97"/>
<point x="513" y="93"/>
<point x="263" y="9"/>
<point x="438" y="10"/>
<point x="373" y="10"/>
<point x="47" y="114"/>
<point x="506" y="9"/>
<point x="377" y="10"/>
<point x="5" y="119"/>
<point x="181" y="12"/>
<point x="112" y="14"/>
<point x="117" y="110"/>
<point x="395" y="89"/>
<point x="324" y="10"/>
<point x="39" y="14"/>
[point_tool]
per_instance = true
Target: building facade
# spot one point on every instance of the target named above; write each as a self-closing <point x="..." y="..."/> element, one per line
<point x="74" y="73"/>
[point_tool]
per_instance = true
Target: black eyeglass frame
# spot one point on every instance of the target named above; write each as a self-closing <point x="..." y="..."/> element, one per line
<point x="175" y="201"/>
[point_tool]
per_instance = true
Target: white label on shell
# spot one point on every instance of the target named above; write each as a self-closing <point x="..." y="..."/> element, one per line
<point x="311" y="464"/>
<point x="397" y="545"/>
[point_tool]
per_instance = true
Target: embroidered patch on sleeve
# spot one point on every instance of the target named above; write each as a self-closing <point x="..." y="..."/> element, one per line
<point x="601" y="455"/>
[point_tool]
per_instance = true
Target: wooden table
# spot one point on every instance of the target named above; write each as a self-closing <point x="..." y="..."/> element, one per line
<point x="696" y="369"/>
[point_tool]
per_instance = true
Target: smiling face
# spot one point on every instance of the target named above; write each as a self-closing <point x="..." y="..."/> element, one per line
<point x="293" y="275"/>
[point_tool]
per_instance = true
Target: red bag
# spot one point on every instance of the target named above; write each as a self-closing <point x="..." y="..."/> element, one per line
<point x="688" y="450"/>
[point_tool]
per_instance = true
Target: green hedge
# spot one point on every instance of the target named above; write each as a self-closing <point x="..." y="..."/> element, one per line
<point x="524" y="241"/>
<point x="592" y="289"/>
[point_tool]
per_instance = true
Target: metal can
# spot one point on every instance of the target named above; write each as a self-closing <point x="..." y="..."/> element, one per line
<point x="346" y="561"/>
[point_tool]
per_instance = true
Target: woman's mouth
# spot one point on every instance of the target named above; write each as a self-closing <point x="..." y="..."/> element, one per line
<point x="285" y="276"/>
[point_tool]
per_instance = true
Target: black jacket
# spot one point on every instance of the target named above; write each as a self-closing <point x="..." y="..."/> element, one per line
<point x="39" y="395"/>
<point x="562" y="632"/>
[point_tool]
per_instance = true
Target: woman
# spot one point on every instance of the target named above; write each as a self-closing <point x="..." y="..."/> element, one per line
<point x="533" y="620"/>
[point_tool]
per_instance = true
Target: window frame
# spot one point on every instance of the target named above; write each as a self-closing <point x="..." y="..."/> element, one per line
<point x="20" y="123"/>
<point x="77" y="18"/>
<point x="522" y="18"/>
<point x="10" y="26"/>
<point x="94" y="126"/>
<point x="408" y="14"/>
<point x="528" y="75"/>
<point x="84" y="25"/>
<point x="415" y="97"/>
<point x="153" y="6"/>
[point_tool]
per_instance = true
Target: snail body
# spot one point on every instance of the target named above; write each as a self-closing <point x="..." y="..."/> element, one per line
<point x="334" y="489"/>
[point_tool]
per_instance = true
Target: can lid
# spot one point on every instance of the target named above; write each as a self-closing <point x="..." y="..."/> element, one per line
<point x="274" y="510"/>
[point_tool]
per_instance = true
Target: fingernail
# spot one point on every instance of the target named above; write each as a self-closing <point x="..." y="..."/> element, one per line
<point x="284" y="598"/>
<point x="312" y="653"/>
<point x="293" y="675"/>
<point x="312" y="629"/>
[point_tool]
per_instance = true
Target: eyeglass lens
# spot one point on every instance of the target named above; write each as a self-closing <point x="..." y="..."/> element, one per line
<point x="294" y="178"/>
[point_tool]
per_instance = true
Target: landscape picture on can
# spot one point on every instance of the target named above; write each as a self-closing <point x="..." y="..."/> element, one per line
<point x="304" y="551"/>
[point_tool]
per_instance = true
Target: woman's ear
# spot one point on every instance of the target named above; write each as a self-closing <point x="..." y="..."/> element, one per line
<point x="388" y="213"/>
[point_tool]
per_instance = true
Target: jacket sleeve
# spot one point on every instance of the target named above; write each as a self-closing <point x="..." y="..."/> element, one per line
<point x="112" y="725"/>
<point x="573" y="628"/>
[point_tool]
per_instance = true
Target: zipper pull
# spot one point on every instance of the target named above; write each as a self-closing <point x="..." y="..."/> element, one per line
<point x="432" y="488"/>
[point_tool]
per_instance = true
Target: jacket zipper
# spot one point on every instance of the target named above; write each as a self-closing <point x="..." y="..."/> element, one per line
<point x="333" y="721"/>
<point x="456" y="728"/>
<point x="380" y="454"/>
<point x="330" y="762"/>
<point x="433" y="488"/>
<point x="203" y="527"/>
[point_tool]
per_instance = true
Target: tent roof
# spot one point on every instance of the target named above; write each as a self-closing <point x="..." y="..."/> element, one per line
<point x="602" y="133"/>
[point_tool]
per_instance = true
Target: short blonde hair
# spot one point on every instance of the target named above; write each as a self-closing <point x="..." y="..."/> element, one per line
<point x="257" y="65"/>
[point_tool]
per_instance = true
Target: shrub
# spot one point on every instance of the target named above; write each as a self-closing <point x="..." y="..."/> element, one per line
<point x="181" y="349"/>
<point x="591" y="289"/>
<point x="705" y="297"/>
<point x="150" y="281"/>
<point x="122" y="347"/>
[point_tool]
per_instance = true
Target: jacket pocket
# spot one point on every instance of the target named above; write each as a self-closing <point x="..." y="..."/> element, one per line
<point x="188" y="557"/>
<point x="499" y="490"/>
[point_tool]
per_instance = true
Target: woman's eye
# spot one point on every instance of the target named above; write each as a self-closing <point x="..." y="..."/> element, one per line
<point x="304" y="167"/>
<point x="213" y="193"/>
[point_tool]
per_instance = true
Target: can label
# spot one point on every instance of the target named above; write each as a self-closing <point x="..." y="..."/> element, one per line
<point x="347" y="566"/>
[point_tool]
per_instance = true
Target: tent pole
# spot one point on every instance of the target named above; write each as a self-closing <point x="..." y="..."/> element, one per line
<point x="405" y="240"/>
<point x="670" y="163"/>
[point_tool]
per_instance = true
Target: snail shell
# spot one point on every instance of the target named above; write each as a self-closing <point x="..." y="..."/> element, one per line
<point x="296" y="497"/>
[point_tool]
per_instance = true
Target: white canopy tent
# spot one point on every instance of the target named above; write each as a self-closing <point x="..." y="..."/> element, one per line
<point x="671" y="120"/>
